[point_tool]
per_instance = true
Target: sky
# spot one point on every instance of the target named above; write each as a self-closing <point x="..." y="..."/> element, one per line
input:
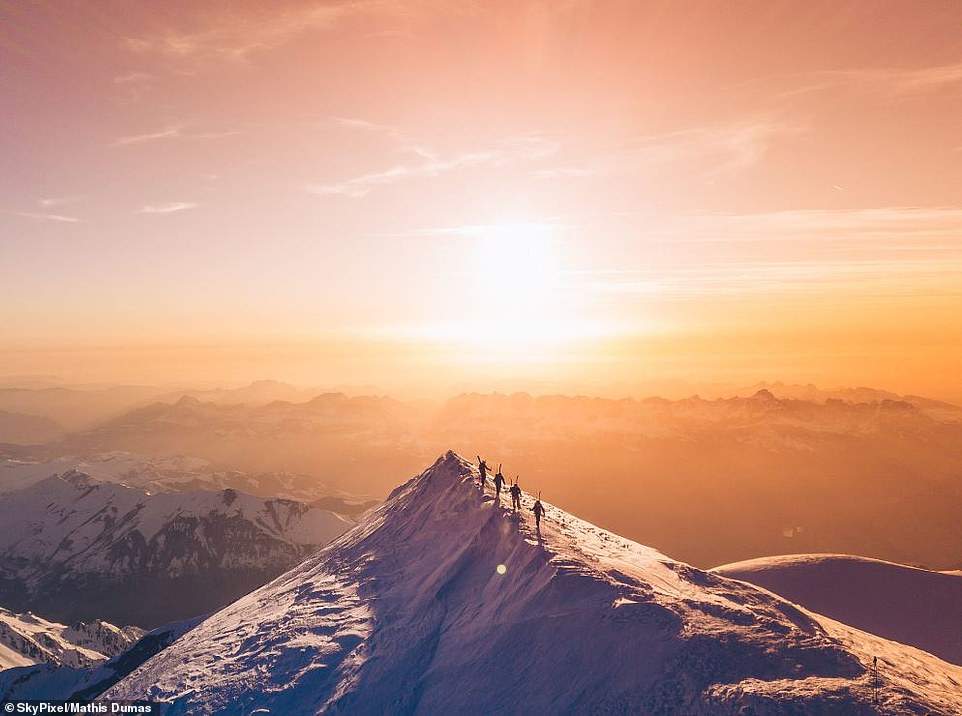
<point x="418" y="195"/>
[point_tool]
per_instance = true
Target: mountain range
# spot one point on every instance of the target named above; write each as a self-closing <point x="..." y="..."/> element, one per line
<point x="755" y="471"/>
<point x="73" y="548"/>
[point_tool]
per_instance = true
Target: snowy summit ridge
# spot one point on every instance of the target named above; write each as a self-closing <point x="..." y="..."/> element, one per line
<point x="409" y="612"/>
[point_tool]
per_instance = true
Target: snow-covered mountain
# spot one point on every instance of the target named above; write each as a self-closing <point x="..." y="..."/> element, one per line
<point x="905" y="604"/>
<point x="27" y="639"/>
<point x="48" y="682"/>
<point x="75" y="548"/>
<point x="442" y="601"/>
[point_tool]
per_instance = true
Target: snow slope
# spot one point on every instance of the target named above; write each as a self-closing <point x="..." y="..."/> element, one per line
<point x="905" y="604"/>
<point x="75" y="548"/>
<point x="27" y="639"/>
<point x="443" y="602"/>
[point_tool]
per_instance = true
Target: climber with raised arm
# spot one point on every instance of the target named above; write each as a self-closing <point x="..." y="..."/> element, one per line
<point x="483" y="469"/>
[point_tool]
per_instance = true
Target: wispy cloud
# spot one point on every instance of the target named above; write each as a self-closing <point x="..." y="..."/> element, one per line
<point x="133" y="84"/>
<point x="895" y="222"/>
<point x="728" y="149"/>
<point x="58" y="201"/>
<point x="892" y="82"/>
<point x="567" y="172"/>
<point x="168" y="208"/>
<point x="888" y="250"/>
<point x="872" y="278"/>
<point x="46" y="217"/>
<point x="500" y="229"/>
<point x="401" y="142"/>
<point x="132" y="78"/>
<point x="524" y="148"/>
<point x="173" y="132"/>
<point x="363" y="125"/>
<point x="168" y="133"/>
<point x="722" y="150"/>
<point x="234" y="36"/>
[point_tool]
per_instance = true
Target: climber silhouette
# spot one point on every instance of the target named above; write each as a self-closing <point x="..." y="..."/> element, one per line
<point x="538" y="511"/>
<point x="483" y="469"/>
<point x="515" y="496"/>
<point x="498" y="483"/>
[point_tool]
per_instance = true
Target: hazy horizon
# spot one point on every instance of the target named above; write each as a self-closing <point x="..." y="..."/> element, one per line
<point x="668" y="388"/>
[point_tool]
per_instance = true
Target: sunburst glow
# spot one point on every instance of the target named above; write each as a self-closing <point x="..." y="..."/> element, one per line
<point x="517" y="281"/>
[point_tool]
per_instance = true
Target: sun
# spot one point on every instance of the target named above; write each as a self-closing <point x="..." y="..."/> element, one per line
<point x="516" y="268"/>
<point x="507" y="298"/>
<point x="515" y="301"/>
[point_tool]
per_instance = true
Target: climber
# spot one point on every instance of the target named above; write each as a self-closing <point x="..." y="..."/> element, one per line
<point x="515" y="496"/>
<point x="483" y="469"/>
<point x="538" y="511"/>
<point x="498" y="483"/>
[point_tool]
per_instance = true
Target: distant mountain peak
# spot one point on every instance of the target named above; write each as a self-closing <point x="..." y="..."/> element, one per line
<point x="77" y="478"/>
<point x="188" y="400"/>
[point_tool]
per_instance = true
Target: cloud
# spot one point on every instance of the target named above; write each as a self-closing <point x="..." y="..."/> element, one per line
<point x="47" y="217"/>
<point x="892" y="82"/>
<point x="168" y="208"/>
<point x="168" y="133"/>
<point x="564" y="172"/>
<point x="133" y="84"/>
<point x="364" y="184"/>
<point x="724" y="150"/>
<point x="825" y="225"/>
<point x="728" y="148"/>
<point x="402" y="143"/>
<point x="872" y="277"/>
<point x="523" y="228"/>
<point x="887" y="250"/>
<point x="233" y="37"/>
<point x="58" y="201"/>
<point x="363" y="125"/>
<point x="524" y="148"/>
<point x="132" y="78"/>
<point x="175" y="132"/>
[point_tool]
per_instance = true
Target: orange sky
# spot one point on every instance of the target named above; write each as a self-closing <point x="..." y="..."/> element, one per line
<point x="417" y="194"/>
